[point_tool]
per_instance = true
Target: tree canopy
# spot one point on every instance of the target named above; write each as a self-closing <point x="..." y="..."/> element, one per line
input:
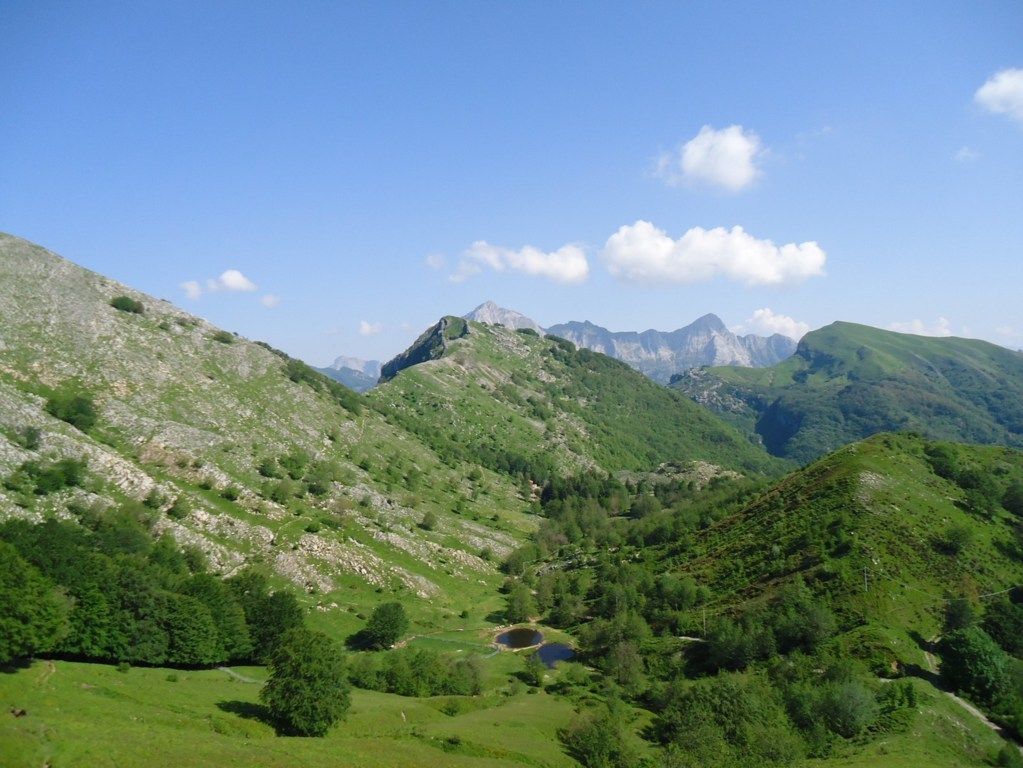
<point x="308" y="689"/>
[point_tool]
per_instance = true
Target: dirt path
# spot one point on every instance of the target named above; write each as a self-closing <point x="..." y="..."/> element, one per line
<point x="932" y="666"/>
<point x="49" y="670"/>
<point x="236" y="676"/>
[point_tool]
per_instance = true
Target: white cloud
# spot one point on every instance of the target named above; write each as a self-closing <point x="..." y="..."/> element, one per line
<point x="192" y="289"/>
<point x="370" y="329"/>
<point x="436" y="261"/>
<point x="233" y="280"/>
<point x="643" y="253"/>
<point x="725" y="158"/>
<point x="965" y="155"/>
<point x="940" y="327"/>
<point x="230" y="280"/>
<point x="766" y="322"/>
<point x="270" y="300"/>
<point x="568" y="264"/>
<point x="1003" y="94"/>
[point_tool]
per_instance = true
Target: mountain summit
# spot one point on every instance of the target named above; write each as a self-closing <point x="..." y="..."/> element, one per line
<point x="660" y="355"/>
<point x="490" y="313"/>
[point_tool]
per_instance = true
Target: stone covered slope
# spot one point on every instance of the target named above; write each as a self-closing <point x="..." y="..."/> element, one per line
<point x="533" y="406"/>
<point x="193" y="412"/>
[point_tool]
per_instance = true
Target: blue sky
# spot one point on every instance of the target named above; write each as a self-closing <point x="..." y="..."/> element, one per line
<point x="331" y="153"/>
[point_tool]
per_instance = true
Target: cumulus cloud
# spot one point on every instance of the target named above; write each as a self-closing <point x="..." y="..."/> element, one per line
<point x="568" y="264"/>
<point x="940" y="327"/>
<point x="192" y="289"/>
<point x="725" y="158"/>
<point x="436" y="261"/>
<point x="270" y="300"/>
<point x="766" y="322"/>
<point x="367" y="328"/>
<point x="230" y="280"/>
<point x="1002" y="94"/>
<point x="642" y="253"/>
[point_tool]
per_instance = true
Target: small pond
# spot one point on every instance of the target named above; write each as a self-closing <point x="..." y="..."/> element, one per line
<point x="521" y="637"/>
<point x="551" y="653"/>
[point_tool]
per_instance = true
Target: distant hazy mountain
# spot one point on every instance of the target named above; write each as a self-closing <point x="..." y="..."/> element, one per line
<point x="354" y="372"/>
<point x="660" y="355"/>
<point x="488" y="312"/>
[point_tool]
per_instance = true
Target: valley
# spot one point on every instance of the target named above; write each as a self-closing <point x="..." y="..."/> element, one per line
<point x="181" y="508"/>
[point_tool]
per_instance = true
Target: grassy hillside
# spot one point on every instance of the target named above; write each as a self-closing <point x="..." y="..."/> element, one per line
<point x="244" y="453"/>
<point x="877" y="531"/>
<point x="849" y="381"/>
<point x="536" y="406"/>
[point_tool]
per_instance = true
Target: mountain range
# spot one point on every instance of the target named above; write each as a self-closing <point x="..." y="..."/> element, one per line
<point x="657" y="354"/>
<point x="501" y="475"/>
<point x="848" y="381"/>
<point x="660" y="355"/>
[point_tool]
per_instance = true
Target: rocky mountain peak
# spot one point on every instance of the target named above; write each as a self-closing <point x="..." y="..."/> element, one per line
<point x="708" y="323"/>
<point x="492" y="314"/>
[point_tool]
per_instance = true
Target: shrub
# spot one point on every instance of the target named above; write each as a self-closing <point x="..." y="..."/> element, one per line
<point x="178" y="510"/>
<point x="973" y="662"/>
<point x="848" y="708"/>
<point x="1003" y="620"/>
<point x="43" y="479"/>
<point x="29" y="438"/>
<point x="153" y="499"/>
<point x="76" y="408"/>
<point x="224" y="337"/>
<point x="1012" y="500"/>
<point x="955" y="539"/>
<point x="599" y="738"/>
<point x="429" y="521"/>
<point x="959" y="614"/>
<point x="534" y="671"/>
<point x="127" y="304"/>
<point x="268" y="468"/>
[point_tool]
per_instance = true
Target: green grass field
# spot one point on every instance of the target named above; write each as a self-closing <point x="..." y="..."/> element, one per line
<point x="93" y="715"/>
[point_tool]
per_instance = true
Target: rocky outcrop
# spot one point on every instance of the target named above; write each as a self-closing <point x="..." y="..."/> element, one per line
<point x="429" y="346"/>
